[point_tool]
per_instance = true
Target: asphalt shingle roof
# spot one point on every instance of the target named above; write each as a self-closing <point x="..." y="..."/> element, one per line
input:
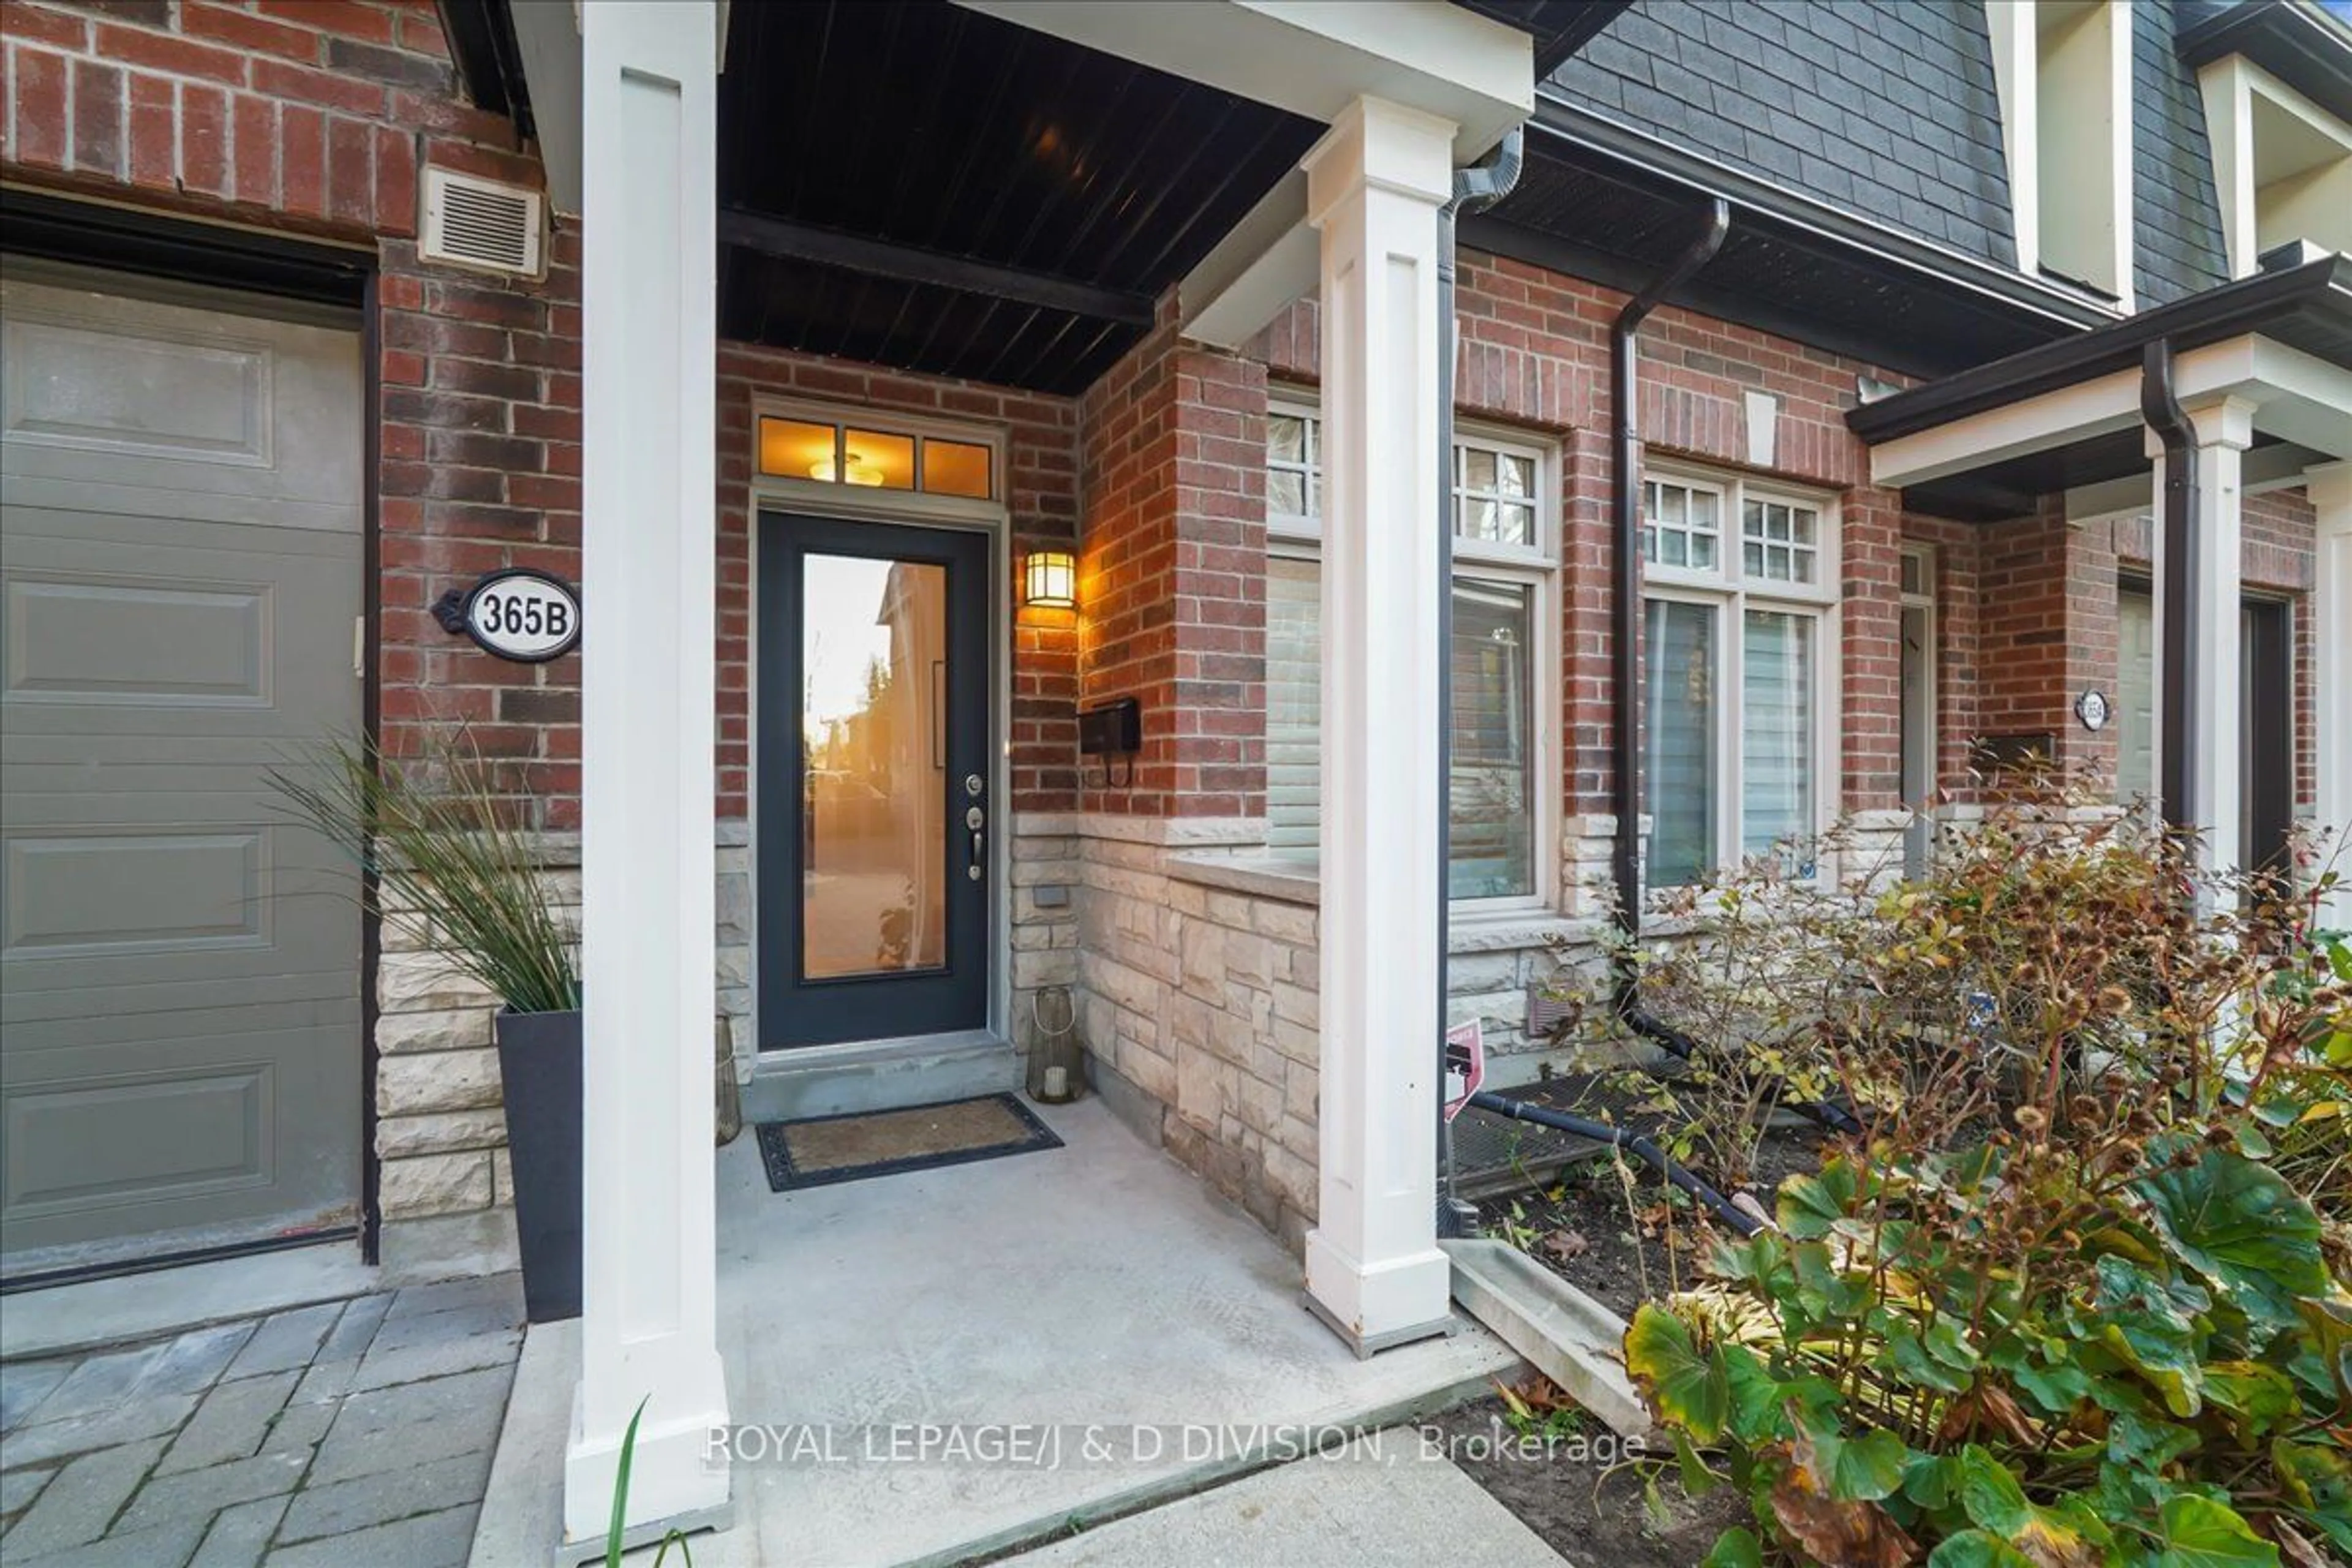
<point x="1885" y="108"/>
<point x="1888" y="109"/>
<point x="2176" y="247"/>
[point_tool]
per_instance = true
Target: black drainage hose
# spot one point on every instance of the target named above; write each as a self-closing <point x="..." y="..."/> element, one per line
<point x="1737" y="1218"/>
<point x="1650" y="1027"/>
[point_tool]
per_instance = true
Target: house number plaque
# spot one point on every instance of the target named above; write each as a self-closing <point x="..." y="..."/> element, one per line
<point x="521" y="613"/>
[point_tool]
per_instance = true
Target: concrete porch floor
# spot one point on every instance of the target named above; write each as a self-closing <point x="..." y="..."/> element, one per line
<point x="1095" y="1285"/>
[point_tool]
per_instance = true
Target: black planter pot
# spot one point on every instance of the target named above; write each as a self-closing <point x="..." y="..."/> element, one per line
<point x="539" y="1063"/>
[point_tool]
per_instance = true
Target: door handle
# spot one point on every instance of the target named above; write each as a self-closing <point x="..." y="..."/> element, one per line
<point x="977" y="870"/>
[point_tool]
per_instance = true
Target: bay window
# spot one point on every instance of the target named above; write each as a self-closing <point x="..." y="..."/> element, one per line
<point x="1738" y="704"/>
<point x="1503" y="660"/>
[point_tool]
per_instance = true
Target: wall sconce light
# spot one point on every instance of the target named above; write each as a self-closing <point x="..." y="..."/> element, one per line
<point x="1053" y="581"/>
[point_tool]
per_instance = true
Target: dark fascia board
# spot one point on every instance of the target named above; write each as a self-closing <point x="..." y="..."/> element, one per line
<point x="747" y="230"/>
<point x="2267" y="300"/>
<point x="1558" y="118"/>
<point x="1559" y="28"/>
<point x="490" y="62"/>
<point x="127" y="239"/>
<point x="2301" y="44"/>
<point x="1584" y="22"/>
<point x="1498" y="237"/>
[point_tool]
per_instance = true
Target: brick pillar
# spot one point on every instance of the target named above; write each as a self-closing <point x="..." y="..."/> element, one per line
<point x="1871" y="636"/>
<point x="2093" y="652"/>
<point x="1172" y="574"/>
<point x="2022" y="625"/>
<point x="1587" y="717"/>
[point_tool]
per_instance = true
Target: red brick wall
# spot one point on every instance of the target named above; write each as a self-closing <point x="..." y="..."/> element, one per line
<point x="1172" y="576"/>
<point x="1535" y="352"/>
<point x="313" y="116"/>
<point x="2027" y="621"/>
<point x="2027" y="626"/>
<point x="1043" y="494"/>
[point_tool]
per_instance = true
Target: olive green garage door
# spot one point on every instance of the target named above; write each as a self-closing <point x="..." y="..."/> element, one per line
<point x="182" y="531"/>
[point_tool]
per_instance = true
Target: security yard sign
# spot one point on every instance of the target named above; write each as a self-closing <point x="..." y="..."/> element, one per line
<point x="521" y="614"/>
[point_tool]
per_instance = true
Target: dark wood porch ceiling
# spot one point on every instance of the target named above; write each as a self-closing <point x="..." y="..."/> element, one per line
<point x="914" y="183"/>
<point x="920" y="185"/>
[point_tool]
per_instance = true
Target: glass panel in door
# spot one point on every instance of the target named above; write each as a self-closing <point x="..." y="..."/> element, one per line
<point x="874" y="660"/>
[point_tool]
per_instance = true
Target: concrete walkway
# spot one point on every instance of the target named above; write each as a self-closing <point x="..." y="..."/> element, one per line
<point x="1384" y="1503"/>
<point x="934" y="1366"/>
<point x="334" y="1436"/>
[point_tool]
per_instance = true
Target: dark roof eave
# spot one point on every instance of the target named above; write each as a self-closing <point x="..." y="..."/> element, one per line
<point x="2268" y="299"/>
<point x="1571" y="122"/>
<point x="2300" y="45"/>
<point x="481" y="38"/>
<point x="1559" y="28"/>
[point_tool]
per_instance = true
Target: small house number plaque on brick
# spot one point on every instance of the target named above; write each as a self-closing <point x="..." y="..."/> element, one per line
<point x="521" y="613"/>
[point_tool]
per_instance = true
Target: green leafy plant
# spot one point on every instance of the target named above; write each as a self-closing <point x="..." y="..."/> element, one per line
<point x="2164" y="1378"/>
<point x="2075" y="1297"/>
<point x="446" y="865"/>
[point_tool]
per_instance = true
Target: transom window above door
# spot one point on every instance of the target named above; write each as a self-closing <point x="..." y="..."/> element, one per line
<point x="880" y="453"/>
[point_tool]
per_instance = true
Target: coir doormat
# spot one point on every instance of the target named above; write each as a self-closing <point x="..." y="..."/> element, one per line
<point x="821" y="1150"/>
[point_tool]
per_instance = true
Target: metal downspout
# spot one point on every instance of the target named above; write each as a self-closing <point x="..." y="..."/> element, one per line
<point x="2176" y="631"/>
<point x="1475" y="189"/>
<point x="1625" y="610"/>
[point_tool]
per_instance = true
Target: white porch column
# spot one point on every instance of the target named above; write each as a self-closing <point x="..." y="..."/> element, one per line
<point x="648" y="778"/>
<point x="2224" y="428"/>
<point x="1374" y="184"/>
<point x="2330" y="488"/>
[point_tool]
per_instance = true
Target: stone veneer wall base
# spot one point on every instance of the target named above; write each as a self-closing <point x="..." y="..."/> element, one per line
<point x="449" y="1246"/>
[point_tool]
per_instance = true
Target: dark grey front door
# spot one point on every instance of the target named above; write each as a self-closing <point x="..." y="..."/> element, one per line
<point x="875" y="815"/>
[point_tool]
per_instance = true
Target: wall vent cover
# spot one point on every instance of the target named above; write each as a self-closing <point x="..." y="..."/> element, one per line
<point x="475" y="222"/>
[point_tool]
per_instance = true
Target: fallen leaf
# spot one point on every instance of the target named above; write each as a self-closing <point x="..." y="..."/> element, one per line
<point x="1566" y="1244"/>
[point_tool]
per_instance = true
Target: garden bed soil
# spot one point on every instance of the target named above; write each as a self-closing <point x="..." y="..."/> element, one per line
<point x="1632" y="1514"/>
<point x="1584" y="1229"/>
<point x="1628" y="1514"/>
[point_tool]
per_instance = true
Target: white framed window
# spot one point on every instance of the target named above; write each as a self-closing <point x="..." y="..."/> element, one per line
<point x="2064" y="72"/>
<point x="1740" y="692"/>
<point x="1682" y="522"/>
<point x="1506" y="659"/>
<point x="2282" y="163"/>
<point x="1293" y="470"/>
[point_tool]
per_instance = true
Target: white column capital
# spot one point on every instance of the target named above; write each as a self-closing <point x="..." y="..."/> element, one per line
<point x="1384" y="147"/>
<point x="2225" y="421"/>
<point x="2329" y="486"/>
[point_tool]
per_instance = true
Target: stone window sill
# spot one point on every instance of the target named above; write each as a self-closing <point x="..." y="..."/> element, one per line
<point x="1295" y="881"/>
<point x="1259" y="876"/>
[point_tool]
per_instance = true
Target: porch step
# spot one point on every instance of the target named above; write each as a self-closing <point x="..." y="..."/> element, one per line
<point x="879" y="1075"/>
